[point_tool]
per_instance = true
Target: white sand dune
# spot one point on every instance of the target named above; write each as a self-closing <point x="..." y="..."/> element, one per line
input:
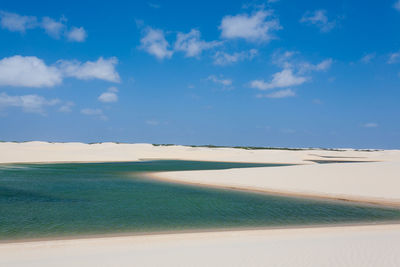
<point x="79" y="152"/>
<point x="355" y="246"/>
<point x="378" y="181"/>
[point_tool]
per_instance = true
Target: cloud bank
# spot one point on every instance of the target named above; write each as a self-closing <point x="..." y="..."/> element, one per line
<point x="294" y="73"/>
<point x="191" y="44"/>
<point x="54" y="28"/>
<point x="222" y="58"/>
<point x="257" y="27"/>
<point x="284" y="78"/>
<point x="28" y="103"/>
<point x="110" y="96"/>
<point x="154" y="43"/>
<point x="30" y="71"/>
<point x="319" y="19"/>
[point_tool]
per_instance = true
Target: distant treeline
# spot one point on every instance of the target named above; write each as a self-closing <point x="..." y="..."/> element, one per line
<point x="269" y="148"/>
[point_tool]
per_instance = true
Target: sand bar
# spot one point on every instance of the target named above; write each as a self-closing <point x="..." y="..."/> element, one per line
<point x="376" y="182"/>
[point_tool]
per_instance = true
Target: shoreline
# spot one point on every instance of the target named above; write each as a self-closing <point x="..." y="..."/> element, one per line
<point x="393" y="223"/>
<point x="153" y="159"/>
<point x="158" y="176"/>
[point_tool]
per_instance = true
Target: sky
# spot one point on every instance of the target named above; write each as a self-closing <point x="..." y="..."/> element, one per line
<point x="274" y="73"/>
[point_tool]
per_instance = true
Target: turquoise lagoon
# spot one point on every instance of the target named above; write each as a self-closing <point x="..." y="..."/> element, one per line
<point x="69" y="199"/>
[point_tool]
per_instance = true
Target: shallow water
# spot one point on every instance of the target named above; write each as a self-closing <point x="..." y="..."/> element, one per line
<point x="52" y="200"/>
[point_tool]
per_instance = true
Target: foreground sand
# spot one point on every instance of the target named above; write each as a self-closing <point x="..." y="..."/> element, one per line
<point x="377" y="182"/>
<point x="333" y="246"/>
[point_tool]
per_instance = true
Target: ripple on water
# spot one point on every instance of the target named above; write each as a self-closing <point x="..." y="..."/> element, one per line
<point x="45" y="200"/>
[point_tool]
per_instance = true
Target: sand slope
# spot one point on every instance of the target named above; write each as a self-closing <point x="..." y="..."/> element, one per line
<point x="377" y="182"/>
<point x="334" y="246"/>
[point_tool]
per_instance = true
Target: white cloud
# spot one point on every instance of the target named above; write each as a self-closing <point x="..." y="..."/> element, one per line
<point x="370" y="125"/>
<point x="31" y="71"/>
<point x="17" y="23"/>
<point x="259" y="84"/>
<point x="292" y="74"/>
<point x="103" y="69"/>
<point x="154" y="43"/>
<point x="253" y="28"/>
<point x="319" y="19"/>
<point x="287" y="60"/>
<point x="283" y="59"/>
<point x="96" y="112"/>
<point x="28" y="72"/>
<point x="66" y="107"/>
<point x="28" y="103"/>
<point x="110" y="96"/>
<point x="368" y="58"/>
<point x="222" y="58"/>
<point x="191" y="44"/>
<point x="52" y="27"/>
<point x="322" y="66"/>
<point x="222" y="81"/>
<point x="397" y="5"/>
<point x="394" y="58"/>
<point x="76" y="34"/>
<point x="278" y="94"/>
<point x="284" y="78"/>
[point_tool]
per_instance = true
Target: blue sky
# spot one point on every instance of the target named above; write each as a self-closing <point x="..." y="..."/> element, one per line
<point x="260" y="73"/>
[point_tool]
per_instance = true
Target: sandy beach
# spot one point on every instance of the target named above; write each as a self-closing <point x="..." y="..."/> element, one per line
<point x="375" y="179"/>
<point x="375" y="182"/>
<point x="332" y="246"/>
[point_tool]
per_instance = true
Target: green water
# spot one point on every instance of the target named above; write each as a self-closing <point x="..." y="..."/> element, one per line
<point x="52" y="200"/>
